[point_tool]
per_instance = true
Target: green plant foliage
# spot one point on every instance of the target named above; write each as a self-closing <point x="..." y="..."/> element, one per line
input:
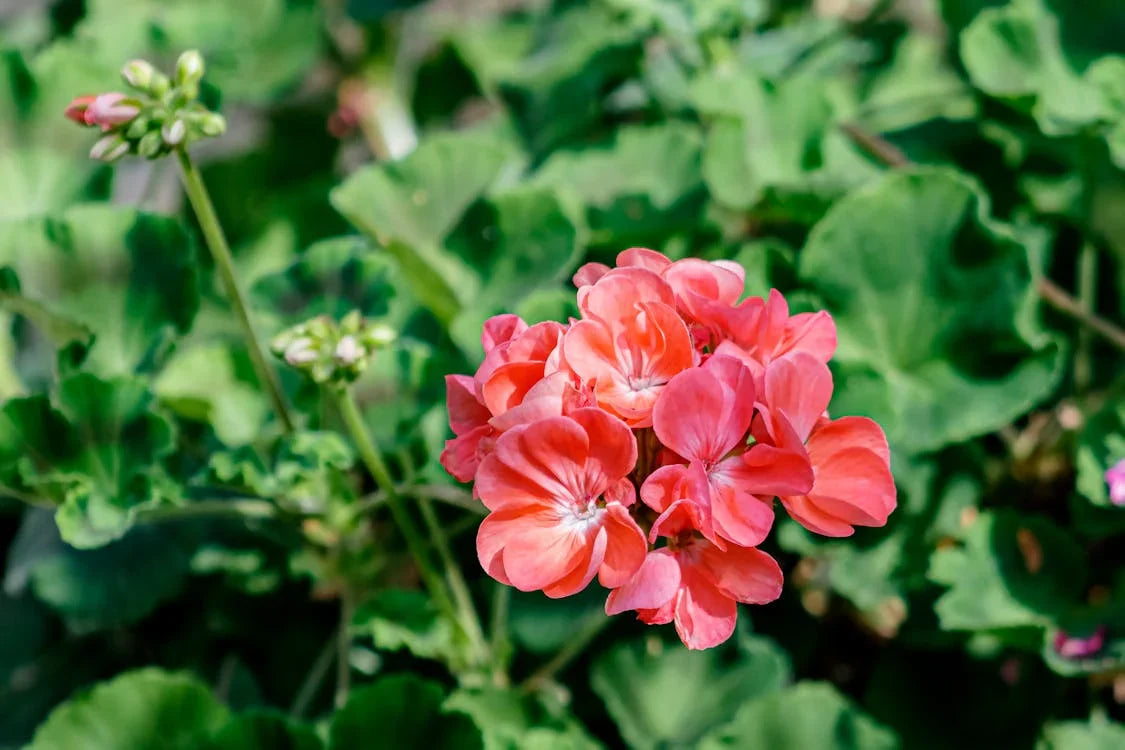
<point x="180" y="569"/>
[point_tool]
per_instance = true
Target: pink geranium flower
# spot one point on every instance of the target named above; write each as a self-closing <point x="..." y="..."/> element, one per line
<point x="704" y="416"/>
<point x="630" y="342"/>
<point x="673" y="386"/>
<point x="1115" y="480"/>
<point x="559" y="499"/>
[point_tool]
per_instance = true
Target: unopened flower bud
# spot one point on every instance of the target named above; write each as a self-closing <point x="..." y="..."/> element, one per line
<point x="379" y="335"/>
<point x="138" y="127"/>
<point x="348" y="351"/>
<point x="150" y="145"/>
<point x="212" y="124"/>
<point x="189" y="68"/>
<point x="139" y="74"/>
<point x="77" y="109"/>
<point x="109" y="148"/>
<point x="109" y="110"/>
<point x="300" y="352"/>
<point x="173" y="132"/>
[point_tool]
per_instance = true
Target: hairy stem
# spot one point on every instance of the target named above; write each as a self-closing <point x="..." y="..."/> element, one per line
<point x="571" y="650"/>
<point x="343" y="648"/>
<point x="501" y="645"/>
<point x="315" y="677"/>
<point x="1057" y="297"/>
<point x="220" y="251"/>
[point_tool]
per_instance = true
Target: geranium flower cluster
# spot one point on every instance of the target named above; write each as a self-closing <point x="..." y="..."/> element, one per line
<point x="645" y="443"/>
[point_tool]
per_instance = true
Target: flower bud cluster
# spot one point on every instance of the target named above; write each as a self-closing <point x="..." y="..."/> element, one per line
<point x="329" y="351"/>
<point x="159" y="115"/>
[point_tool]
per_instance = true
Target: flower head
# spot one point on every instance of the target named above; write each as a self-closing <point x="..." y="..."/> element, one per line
<point x="673" y="388"/>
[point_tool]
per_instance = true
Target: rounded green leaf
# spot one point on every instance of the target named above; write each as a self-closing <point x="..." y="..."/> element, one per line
<point x="931" y="302"/>
<point x="148" y="709"/>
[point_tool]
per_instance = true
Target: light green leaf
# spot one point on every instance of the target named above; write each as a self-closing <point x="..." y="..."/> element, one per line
<point x="1097" y="734"/>
<point x="932" y="302"/>
<point x="401" y="710"/>
<point x="147" y="709"/>
<point x="94" y="450"/>
<point x="917" y="87"/>
<point x="1100" y="446"/>
<point x="262" y="730"/>
<point x="407" y="619"/>
<point x="202" y="383"/>
<point x="1011" y="571"/>
<point x="807" y="715"/>
<point x="510" y="720"/>
<point x="127" y="276"/>
<point x="667" y="696"/>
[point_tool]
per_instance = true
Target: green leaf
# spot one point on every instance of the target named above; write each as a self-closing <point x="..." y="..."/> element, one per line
<point x="510" y="720"/>
<point x="1012" y="571"/>
<point x="401" y="711"/>
<point x="519" y="241"/>
<point x="203" y="383"/>
<point x="147" y="709"/>
<point x="333" y="277"/>
<point x="1014" y="52"/>
<point x="262" y="730"/>
<point x="932" y="302"/>
<point x="36" y="181"/>
<point x="128" y="277"/>
<point x="667" y="696"/>
<point x="631" y="197"/>
<point x="401" y="618"/>
<point x="1097" y="734"/>
<point x="917" y="87"/>
<point x="98" y="588"/>
<point x="806" y="715"/>
<point x="94" y="450"/>
<point x="409" y="206"/>
<point x="776" y="143"/>
<point x="1100" y="446"/>
<point x="542" y="625"/>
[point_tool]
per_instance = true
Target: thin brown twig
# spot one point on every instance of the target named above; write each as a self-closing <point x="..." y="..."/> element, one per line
<point x="876" y="146"/>
<point x="1058" y="298"/>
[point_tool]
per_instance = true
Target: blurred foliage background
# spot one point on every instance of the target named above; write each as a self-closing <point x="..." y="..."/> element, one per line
<point x="944" y="176"/>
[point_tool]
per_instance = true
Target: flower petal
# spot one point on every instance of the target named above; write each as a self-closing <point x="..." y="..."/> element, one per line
<point x="653" y="585"/>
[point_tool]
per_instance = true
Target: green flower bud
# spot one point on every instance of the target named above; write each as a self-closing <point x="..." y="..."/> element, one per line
<point x="189" y="69"/>
<point x="211" y="124"/>
<point x="138" y="74"/>
<point x="109" y="148"/>
<point x="151" y="145"/>
<point x="173" y="132"/>
<point x="138" y="127"/>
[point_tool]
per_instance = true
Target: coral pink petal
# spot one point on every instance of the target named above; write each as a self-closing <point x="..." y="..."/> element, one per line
<point x="740" y="517"/>
<point x="466" y="412"/>
<point x="642" y="257"/>
<point x="705" y="617"/>
<point x="615" y="296"/>
<point x="661" y="488"/>
<point x="584" y="572"/>
<point x="612" y="448"/>
<point x="462" y="455"/>
<point x="850" y="432"/>
<point x="653" y="586"/>
<point x="590" y="273"/>
<point x="745" y="574"/>
<point x="501" y="329"/>
<point x="805" y="512"/>
<point x="812" y="333"/>
<point x="492" y="536"/>
<point x="541" y="550"/>
<point x="766" y="470"/>
<point x="859" y="478"/>
<point x="625" y="549"/>
<point x="547" y="398"/>
<point x="688" y="413"/>
<point x="799" y="386"/>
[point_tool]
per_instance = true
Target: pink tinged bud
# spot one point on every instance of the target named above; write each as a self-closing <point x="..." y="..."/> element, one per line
<point x="348" y="351"/>
<point x="111" y="109"/>
<point x="109" y="148"/>
<point x="76" y="110"/>
<point x="174" y="132"/>
<point x="300" y="352"/>
<point x="1115" y="478"/>
<point x="1075" y="647"/>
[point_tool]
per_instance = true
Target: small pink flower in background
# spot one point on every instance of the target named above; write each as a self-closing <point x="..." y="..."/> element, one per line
<point x="1080" y="647"/>
<point x="104" y="110"/>
<point x="673" y="388"/>
<point x="1115" y="479"/>
<point x="77" y="109"/>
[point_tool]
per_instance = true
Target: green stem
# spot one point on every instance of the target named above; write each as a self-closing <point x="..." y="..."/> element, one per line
<point x="470" y="621"/>
<point x="315" y="677"/>
<point x="235" y="507"/>
<point x="343" y="648"/>
<point x="373" y="460"/>
<point x="1087" y="290"/>
<point x="501" y="646"/>
<point x="571" y="650"/>
<point x="220" y="251"/>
